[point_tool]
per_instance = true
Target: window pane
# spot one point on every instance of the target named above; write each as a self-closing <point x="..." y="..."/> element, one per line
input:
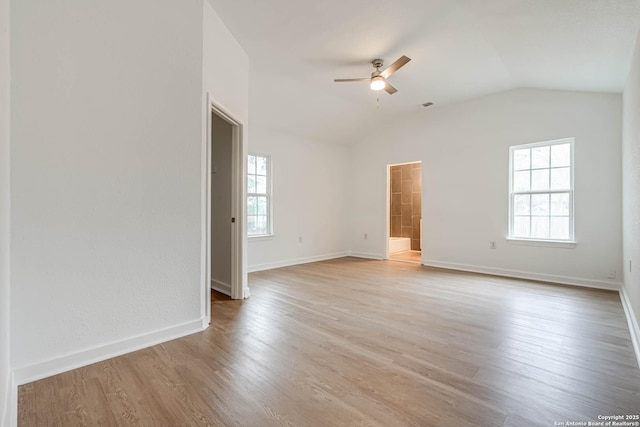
<point x="521" y="226"/>
<point x="559" y="228"/>
<point x="261" y="225"/>
<point x="262" y="206"/>
<point x="540" y="227"/>
<point x="561" y="155"/>
<point x="261" y="184"/>
<point x="522" y="159"/>
<point x="540" y="204"/>
<point x="540" y="179"/>
<point x="541" y="207"/>
<point x="521" y="181"/>
<point x="522" y="204"/>
<point x="251" y="225"/>
<point x="252" y="205"/>
<point x="540" y="157"/>
<point x="262" y="165"/>
<point x="560" y="204"/>
<point x="258" y="200"/>
<point x="561" y="179"/>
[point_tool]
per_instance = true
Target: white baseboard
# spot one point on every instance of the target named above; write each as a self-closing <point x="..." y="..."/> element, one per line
<point x="367" y="255"/>
<point x="295" y="261"/>
<point x="576" y="281"/>
<point x="47" y="368"/>
<point x="221" y="287"/>
<point x="632" y="321"/>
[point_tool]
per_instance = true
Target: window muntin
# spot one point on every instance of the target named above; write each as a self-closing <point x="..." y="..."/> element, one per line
<point x="258" y="195"/>
<point x="541" y="191"/>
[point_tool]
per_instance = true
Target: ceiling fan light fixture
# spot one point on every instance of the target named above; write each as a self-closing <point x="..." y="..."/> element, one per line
<point x="377" y="83"/>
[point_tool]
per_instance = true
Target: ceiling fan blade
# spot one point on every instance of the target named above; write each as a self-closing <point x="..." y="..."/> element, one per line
<point x="395" y="66"/>
<point x="389" y="89"/>
<point x="364" y="79"/>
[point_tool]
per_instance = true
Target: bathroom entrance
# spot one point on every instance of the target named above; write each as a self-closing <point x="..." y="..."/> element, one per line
<point x="405" y="212"/>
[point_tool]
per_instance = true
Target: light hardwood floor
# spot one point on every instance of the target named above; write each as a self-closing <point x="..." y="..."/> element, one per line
<point x="409" y="256"/>
<point x="352" y="342"/>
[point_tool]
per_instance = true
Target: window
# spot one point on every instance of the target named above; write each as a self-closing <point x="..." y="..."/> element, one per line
<point x="541" y="191"/>
<point x="258" y="195"/>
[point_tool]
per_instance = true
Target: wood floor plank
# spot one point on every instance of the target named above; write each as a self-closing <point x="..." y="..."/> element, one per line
<point x="353" y="342"/>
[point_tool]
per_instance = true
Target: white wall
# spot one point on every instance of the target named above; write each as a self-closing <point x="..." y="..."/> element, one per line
<point x="464" y="150"/>
<point x="226" y="80"/>
<point x="106" y="178"/>
<point x="310" y="182"/>
<point x="226" y="67"/>
<point x="5" y="367"/>
<point x="631" y="195"/>
<point x="221" y="179"/>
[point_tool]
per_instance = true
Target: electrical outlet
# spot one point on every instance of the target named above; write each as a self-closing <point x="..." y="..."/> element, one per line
<point x="612" y="274"/>
<point x="492" y="245"/>
<point x="366" y="236"/>
<point x="299" y="239"/>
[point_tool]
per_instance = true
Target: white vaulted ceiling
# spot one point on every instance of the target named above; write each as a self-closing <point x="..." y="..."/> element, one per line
<point x="460" y="49"/>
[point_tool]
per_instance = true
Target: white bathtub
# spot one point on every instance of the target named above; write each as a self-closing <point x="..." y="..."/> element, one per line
<point x="399" y="244"/>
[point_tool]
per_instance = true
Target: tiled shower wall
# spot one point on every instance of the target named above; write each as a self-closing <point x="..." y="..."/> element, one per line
<point x="406" y="202"/>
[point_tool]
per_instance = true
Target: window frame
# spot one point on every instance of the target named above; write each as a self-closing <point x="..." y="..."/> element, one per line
<point x="268" y="195"/>
<point x="537" y="241"/>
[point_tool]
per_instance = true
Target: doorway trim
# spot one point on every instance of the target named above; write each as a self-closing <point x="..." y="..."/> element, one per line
<point x="387" y="255"/>
<point x="387" y="215"/>
<point x="239" y="288"/>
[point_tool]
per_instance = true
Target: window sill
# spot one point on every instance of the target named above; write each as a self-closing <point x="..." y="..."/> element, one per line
<point x="261" y="237"/>
<point x="569" y="244"/>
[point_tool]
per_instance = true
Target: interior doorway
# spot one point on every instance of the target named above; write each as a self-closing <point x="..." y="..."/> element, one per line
<point x="223" y="208"/>
<point x="404" y="212"/>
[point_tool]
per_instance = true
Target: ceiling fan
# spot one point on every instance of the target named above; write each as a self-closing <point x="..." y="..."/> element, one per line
<point x="378" y="79"/>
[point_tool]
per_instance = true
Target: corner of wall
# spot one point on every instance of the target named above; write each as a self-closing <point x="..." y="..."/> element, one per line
<point x="634" y="329"/>
<point x="630" y="292"/>
<point x="8" y="414"/>
<point x="8" y="390"/>
<point x="11" y="414"/>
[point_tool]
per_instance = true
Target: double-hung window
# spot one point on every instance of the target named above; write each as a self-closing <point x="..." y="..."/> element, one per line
<point x="541" y="191"/>
<point x="258" y="195"/>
